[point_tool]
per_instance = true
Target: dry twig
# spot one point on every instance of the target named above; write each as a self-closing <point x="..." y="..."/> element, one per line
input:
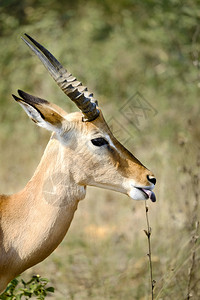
<point x="148" y="234"/>
<point x="193" y="260"/>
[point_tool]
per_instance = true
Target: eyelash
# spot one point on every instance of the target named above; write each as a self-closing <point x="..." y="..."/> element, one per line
<point x="99" y="142"/>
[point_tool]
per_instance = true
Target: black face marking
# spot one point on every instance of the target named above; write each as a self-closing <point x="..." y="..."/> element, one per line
<point x="99" y="142"/>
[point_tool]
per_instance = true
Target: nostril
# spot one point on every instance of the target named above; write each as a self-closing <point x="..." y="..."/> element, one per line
<point x="151" y="179"/>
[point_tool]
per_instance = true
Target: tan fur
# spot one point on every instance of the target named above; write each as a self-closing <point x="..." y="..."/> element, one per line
<point x="34" y="221"/>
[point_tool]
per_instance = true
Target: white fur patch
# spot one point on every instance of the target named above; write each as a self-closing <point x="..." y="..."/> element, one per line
<point x="110" y="142"/>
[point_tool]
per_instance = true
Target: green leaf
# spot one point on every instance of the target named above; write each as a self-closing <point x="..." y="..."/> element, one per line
<point x="50" y="289"/>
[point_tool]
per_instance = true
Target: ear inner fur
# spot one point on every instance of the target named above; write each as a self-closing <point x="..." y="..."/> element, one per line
<point x="43" y="108"/>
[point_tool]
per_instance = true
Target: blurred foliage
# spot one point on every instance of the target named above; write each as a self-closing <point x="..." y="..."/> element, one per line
<point x="20" y="289"/>
<point x="119" y="49"/>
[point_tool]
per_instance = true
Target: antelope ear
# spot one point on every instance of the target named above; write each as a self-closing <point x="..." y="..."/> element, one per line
<point x="41" y="112"/>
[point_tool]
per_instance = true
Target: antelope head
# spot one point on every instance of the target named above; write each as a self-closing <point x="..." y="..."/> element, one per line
<point x="89" y="149"/>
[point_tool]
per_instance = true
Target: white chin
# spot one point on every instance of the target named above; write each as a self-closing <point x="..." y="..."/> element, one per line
<point x="136" y="194"/>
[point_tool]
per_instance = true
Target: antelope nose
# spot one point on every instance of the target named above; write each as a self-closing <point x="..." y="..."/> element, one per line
<point x="152" y="179"/>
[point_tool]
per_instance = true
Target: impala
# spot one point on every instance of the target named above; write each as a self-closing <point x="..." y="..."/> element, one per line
<point x="82" y="151"/>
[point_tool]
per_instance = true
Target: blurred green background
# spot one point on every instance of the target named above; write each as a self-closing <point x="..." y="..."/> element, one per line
<point x="141" y="59"/>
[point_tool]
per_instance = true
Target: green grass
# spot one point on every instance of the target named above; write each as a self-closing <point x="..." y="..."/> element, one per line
<point x="118" y="49"/>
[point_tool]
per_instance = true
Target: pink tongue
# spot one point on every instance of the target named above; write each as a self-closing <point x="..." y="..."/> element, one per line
<point x="151" y="195"/>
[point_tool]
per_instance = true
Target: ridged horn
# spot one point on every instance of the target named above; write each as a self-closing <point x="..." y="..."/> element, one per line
<point x="73" y="88"/>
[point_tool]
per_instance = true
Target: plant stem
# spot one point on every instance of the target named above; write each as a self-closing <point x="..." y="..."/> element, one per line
<point x="148" y="234"/>
<point x="193" y="261"/>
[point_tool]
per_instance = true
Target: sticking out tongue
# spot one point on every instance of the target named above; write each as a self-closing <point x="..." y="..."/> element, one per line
<point x="150" y="194"/>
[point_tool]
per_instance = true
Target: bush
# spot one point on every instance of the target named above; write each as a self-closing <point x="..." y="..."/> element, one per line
<point x="19" y="289"/>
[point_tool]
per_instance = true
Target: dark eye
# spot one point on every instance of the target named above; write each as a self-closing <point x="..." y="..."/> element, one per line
<point x="99" y="142"/>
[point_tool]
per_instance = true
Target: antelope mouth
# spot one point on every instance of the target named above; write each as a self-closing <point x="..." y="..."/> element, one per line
<point x="149" y="194"/>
